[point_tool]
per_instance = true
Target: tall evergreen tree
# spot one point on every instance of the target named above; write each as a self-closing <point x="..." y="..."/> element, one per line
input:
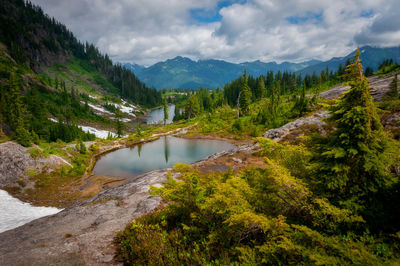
<point x="351" y="164"/>
<point x="119" y="125"/>
<point x="393" y="92"/>
<point x="245" y="95"/>
<point x="261" y="90"/>
<point x="192" y="106"/>
<point x="14" y="108"/>
<point x="302" y="103"/>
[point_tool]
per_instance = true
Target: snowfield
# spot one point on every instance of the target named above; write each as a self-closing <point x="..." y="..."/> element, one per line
<point x="15" y="213"/>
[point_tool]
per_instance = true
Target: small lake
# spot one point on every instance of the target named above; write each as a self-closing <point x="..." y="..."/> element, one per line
<point x="156" y="116"/>
<point x="159" y="154"/>
<point x="15" y="213"/>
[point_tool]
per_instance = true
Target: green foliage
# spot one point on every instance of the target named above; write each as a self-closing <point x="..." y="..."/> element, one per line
<point x="302" y="104"/>
<point x="394" y="91"/>
<point x="36" y="153"/>
<point x="260" y="216"/>
<point x="368" y="71"/>
<point x="192" y="106"/>
<point x="351" y="164"/>
<point x="94" y="148"/>
<point x="119" y="126"/>
<point x="244" y="98"/>
<point x="3" y="137"/>
<point x="387" y="66"/>
<point x="81" y="147"/>
<point x="22" y="136"/>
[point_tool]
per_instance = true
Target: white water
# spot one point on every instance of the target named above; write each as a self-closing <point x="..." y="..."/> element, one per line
<point x="14" y="213"/>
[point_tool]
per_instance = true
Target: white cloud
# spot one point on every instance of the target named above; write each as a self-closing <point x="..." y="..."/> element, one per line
<point x="147" y="31"/>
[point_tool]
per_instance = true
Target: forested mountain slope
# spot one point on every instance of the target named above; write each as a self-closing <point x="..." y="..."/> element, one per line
<point x="184" y="73"/>
<point x="46" y="72"/>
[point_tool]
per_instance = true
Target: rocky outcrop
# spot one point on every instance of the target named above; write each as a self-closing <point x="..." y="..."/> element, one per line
<point x="15" y="161"/>
<point x="378" y="88"/>
<point x="316" y="119"/>
<point x="84" y="233"/>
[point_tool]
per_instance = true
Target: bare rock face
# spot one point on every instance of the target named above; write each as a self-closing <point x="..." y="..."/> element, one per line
<point x="380" y="86"/>
<point x="15" y="161"/>
<point x="84" y="233"/>
<point x="315" y="119"/>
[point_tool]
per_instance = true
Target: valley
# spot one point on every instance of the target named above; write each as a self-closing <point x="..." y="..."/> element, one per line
<point x="198" y="160"/>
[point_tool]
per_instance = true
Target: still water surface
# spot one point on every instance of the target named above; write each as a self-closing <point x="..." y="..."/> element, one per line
<point x="156" y="116"/>
<point x="159" y="154"/>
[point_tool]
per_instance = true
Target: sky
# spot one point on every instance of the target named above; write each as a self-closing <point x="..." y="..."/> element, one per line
<point x="148" y="31"/>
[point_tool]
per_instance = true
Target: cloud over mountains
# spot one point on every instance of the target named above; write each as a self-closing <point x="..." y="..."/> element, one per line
<point x="147" y="31"/>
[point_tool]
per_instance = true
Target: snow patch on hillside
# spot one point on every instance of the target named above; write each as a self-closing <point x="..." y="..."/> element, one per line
<point x="15" y="213"/>
<point x="102" y="134"/>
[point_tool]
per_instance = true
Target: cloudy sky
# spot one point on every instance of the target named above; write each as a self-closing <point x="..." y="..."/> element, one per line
<point x="148" y="31"/>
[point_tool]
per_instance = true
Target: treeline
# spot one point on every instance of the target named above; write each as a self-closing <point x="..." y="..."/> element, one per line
<point x="283" y="83"/>
<point x="34" y="38"/>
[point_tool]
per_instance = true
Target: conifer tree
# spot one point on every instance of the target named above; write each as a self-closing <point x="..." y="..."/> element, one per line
<point x="192" y="106"/>
<point x="245" y="95"/>
<point x="22" y="135"/>
<point x="393" y="92"/>
<point x="261" y="91"/>
<point x="82" y="147"/>
<point x="119" y="125"/>
<point x="166" y="112"/>
<point x="14" y="108"/>
<point x="351" y="164"/>
<point x="302" y="103"/>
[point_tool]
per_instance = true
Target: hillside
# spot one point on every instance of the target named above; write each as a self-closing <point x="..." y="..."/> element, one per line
<point x="182" y="72"/>
<point x="47" y="73"/>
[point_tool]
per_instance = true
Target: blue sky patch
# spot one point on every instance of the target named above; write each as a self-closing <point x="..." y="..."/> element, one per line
<point x="367" y="13"/>
<point x="209" y="16"/>
<point x="308" y="17"/>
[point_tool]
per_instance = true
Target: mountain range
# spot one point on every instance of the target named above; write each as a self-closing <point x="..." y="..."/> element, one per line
<point x="184" y="73"/>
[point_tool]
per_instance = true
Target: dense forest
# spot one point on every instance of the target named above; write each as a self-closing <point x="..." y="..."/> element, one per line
<point x="33" y="42"/>
<point x="34" y="38"/>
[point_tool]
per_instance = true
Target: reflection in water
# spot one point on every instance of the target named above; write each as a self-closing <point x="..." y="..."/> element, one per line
<point x="157" y="115"/>
<point x="160" y="154"/>
<point x="166" y="149"/>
